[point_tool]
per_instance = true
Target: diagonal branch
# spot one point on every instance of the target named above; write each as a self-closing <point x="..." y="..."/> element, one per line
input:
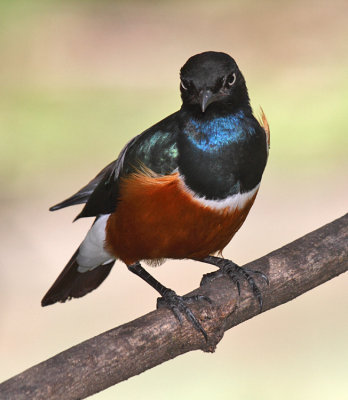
<point x="139" y="345"/>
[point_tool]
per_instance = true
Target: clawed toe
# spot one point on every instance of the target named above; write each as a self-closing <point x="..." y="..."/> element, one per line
<point x="261" y="274"/>
<point x="236" y="273"/>
<point x="177" y="304"/>
<point x="205" y="298"/>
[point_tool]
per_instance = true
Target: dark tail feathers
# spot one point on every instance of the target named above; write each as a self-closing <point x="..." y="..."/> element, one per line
<point x="71" y="283"/>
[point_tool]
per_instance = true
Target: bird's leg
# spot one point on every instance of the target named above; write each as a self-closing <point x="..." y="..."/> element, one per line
<point x="170" y="299"/>
<point x="235" y="273"/>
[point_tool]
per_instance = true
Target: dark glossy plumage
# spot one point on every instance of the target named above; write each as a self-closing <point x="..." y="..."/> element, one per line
<point x="181" y="189"/>
<point x="219" y="153"/>
<point x="71" y="283"/>
<point x="220" y="156"/>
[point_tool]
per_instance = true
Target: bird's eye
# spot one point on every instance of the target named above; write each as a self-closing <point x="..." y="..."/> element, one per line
<point x="231" y="79"/>
<point x="184" y="84"/>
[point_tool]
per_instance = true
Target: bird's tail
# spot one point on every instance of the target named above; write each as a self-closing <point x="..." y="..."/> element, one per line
<point x="72" y="283"/>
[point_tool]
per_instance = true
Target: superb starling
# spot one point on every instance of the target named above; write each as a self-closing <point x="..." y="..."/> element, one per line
<point x="181" y="189"/>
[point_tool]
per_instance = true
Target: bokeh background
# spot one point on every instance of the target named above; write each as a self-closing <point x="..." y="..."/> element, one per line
<point x="80" y="78"/>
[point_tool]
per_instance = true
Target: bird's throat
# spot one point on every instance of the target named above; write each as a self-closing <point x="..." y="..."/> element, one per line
<point x="220" y="157"/>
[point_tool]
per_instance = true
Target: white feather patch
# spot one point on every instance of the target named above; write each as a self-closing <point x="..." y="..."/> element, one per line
<point x="92" y="252"/>
<point x="233" y="202"/>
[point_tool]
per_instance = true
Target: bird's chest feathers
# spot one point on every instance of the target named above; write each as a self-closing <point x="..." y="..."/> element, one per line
<point x="213" y="135"/>
<point x="222" y="156"/>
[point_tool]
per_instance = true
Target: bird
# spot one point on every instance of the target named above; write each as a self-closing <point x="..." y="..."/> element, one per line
<point x="179" y="190"/>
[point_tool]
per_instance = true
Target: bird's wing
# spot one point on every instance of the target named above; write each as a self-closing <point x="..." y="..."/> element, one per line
<point x="84" y="193"/>
<point x="155" y="149"/>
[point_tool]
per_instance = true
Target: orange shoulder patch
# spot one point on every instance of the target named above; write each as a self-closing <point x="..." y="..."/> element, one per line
<point x="264" y="123"/>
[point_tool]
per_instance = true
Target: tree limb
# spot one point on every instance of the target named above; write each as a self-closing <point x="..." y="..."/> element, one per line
<point x="139" y="345"/>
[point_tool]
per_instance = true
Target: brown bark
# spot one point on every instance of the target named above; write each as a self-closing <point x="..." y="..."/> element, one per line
<point x="132" y="348"/>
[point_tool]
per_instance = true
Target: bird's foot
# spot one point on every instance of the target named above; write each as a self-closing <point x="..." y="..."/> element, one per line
<point x="178" y="305"/>
<point x="236" y="273"/>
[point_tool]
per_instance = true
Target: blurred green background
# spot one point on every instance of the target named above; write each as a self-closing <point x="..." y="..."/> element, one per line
<point x="78" y="79"/>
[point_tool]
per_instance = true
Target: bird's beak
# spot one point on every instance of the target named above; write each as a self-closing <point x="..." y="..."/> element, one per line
<point x="206" y="98"/>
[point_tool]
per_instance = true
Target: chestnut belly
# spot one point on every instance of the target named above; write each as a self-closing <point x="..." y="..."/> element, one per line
<point x="157" y="218"/>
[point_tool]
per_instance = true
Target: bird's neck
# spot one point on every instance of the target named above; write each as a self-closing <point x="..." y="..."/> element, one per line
<point x="211" y="131"/>
<point x="221" y="155"/>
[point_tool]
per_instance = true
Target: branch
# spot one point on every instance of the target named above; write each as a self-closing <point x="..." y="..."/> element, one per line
<point x="139" y="345"/>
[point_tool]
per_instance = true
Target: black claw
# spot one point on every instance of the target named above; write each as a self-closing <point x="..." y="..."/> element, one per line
<point x="195" y="323"/>
<point x="177" y="304"/>
<point x="257" y="293"/>
<point x="234" y="278"/>
<point x="201" y="297"/>
<point x="265" y="278"/>
<point x="177" y="314"/>
<point x="260" y="302"/>
<point x="238" y="287"/>
<point x="261" y="274"/>
<point x="255" y="289"/>
<point x="234" y="272"/>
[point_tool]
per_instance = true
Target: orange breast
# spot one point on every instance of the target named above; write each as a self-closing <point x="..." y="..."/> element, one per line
<point x="156" y="218"/>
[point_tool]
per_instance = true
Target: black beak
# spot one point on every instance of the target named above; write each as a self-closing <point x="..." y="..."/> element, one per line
<point x="206" y="98"/>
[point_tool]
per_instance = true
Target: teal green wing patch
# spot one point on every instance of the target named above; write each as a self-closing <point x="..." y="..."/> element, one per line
<point x="156" y="148"/>
<point x="157" y="151"/>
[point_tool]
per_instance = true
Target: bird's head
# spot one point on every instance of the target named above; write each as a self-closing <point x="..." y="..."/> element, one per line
<point x="210" y="78"/>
